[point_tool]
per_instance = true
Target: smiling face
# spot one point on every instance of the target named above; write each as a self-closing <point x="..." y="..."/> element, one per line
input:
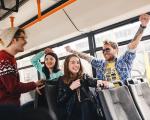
<point x="20" y="42"/>
<point x="72" y="68"/>
<point x="74" y="65"/>
<point x="50" y="61"/>
<point x="110" y="51"/>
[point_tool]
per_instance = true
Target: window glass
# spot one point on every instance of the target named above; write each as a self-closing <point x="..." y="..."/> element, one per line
<point x="147" y="30"/>
<point x="120" y="34"/>
<point x="28" y="75"/>
<point x="80" y="45"/>
<point x="99" y="54"/>
<point x="61" y="64"/>
<point x="24" y="62"/>
<point x="87" y="68"/>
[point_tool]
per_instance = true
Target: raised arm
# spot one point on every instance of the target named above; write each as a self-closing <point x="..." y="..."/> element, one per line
<point x="36" y="59"/>
<point x="81" y="55"/>
<point x="144" y="19"/>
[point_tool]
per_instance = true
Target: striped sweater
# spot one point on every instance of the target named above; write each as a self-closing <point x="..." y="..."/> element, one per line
<point x="10" y="85"/>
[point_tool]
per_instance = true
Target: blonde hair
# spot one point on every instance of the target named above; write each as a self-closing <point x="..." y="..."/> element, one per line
<point x="112" y="44"/>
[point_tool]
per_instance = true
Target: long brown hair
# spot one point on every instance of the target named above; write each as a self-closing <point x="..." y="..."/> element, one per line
<point x="68" y="76"/>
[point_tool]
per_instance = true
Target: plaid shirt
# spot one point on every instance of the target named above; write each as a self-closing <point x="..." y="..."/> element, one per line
<point x="123" y="65"/>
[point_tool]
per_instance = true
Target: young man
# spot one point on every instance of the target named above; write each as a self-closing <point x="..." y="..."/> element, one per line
<point x="13" y="41"/>
<point x="113" y="68"/>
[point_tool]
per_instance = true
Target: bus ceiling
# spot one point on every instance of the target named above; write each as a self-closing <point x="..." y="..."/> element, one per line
<point x="7" y="7"/>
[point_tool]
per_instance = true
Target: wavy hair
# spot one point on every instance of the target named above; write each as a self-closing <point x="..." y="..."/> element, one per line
<point x="68" y="76"/>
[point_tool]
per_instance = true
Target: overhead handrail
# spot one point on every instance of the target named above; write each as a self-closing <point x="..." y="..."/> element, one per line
<point x="41" y="17"/>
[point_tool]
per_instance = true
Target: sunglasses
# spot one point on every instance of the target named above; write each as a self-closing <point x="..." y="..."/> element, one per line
<point x="106" y="50"/>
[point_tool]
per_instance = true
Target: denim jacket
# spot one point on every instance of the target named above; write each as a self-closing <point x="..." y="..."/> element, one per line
<point x="123" y="65"/>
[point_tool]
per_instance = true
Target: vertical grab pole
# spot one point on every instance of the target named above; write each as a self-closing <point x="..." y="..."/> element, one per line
<point x="39" y="9"/>
<point x="12" y="21"/>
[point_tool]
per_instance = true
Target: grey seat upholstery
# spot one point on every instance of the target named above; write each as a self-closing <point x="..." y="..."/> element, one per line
<point x="51" y="96"/>
<point x="118" y="104"/>
<point x="141" y="96"/>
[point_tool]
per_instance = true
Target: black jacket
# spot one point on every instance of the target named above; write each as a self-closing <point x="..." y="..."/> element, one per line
<point x="67" y="97"/>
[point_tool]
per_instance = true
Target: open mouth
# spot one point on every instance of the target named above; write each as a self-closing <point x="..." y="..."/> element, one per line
<point x="49" y="64"/>
<point x="106" y="55"/>
<point x="75" y="69"/>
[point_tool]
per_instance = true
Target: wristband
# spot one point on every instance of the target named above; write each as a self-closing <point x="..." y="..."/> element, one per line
<point x="142" y="26"/>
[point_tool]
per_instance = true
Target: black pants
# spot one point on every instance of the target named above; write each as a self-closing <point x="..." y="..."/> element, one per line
<point x="84" y="111"/>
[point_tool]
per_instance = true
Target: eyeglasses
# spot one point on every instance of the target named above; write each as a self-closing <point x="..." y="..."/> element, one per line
<point x="23" y="38"/>
<point x="106" y="50"/>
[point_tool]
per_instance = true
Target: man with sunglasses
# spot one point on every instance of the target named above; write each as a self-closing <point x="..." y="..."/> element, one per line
<point x="113" y="68"/>
<point x="12" y="41"/>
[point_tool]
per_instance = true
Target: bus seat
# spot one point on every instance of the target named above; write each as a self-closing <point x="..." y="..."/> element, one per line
<point x="51" y="96"/>
<point x="141" y="96"/>
<point x="118" y="104"/>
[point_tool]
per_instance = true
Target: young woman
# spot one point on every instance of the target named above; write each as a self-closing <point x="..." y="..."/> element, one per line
<point x="73" y="88"/>
<point x="49" y="71"/>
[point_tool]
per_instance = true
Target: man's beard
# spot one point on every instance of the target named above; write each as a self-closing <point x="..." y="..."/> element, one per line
<point x="111" y="58"/>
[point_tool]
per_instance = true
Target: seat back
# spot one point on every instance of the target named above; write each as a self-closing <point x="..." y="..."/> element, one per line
<point x="118" y="104"/>
<point x="40" y="100"/>
<point x="141" y="95"/>
<point x="51" y="96"/>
